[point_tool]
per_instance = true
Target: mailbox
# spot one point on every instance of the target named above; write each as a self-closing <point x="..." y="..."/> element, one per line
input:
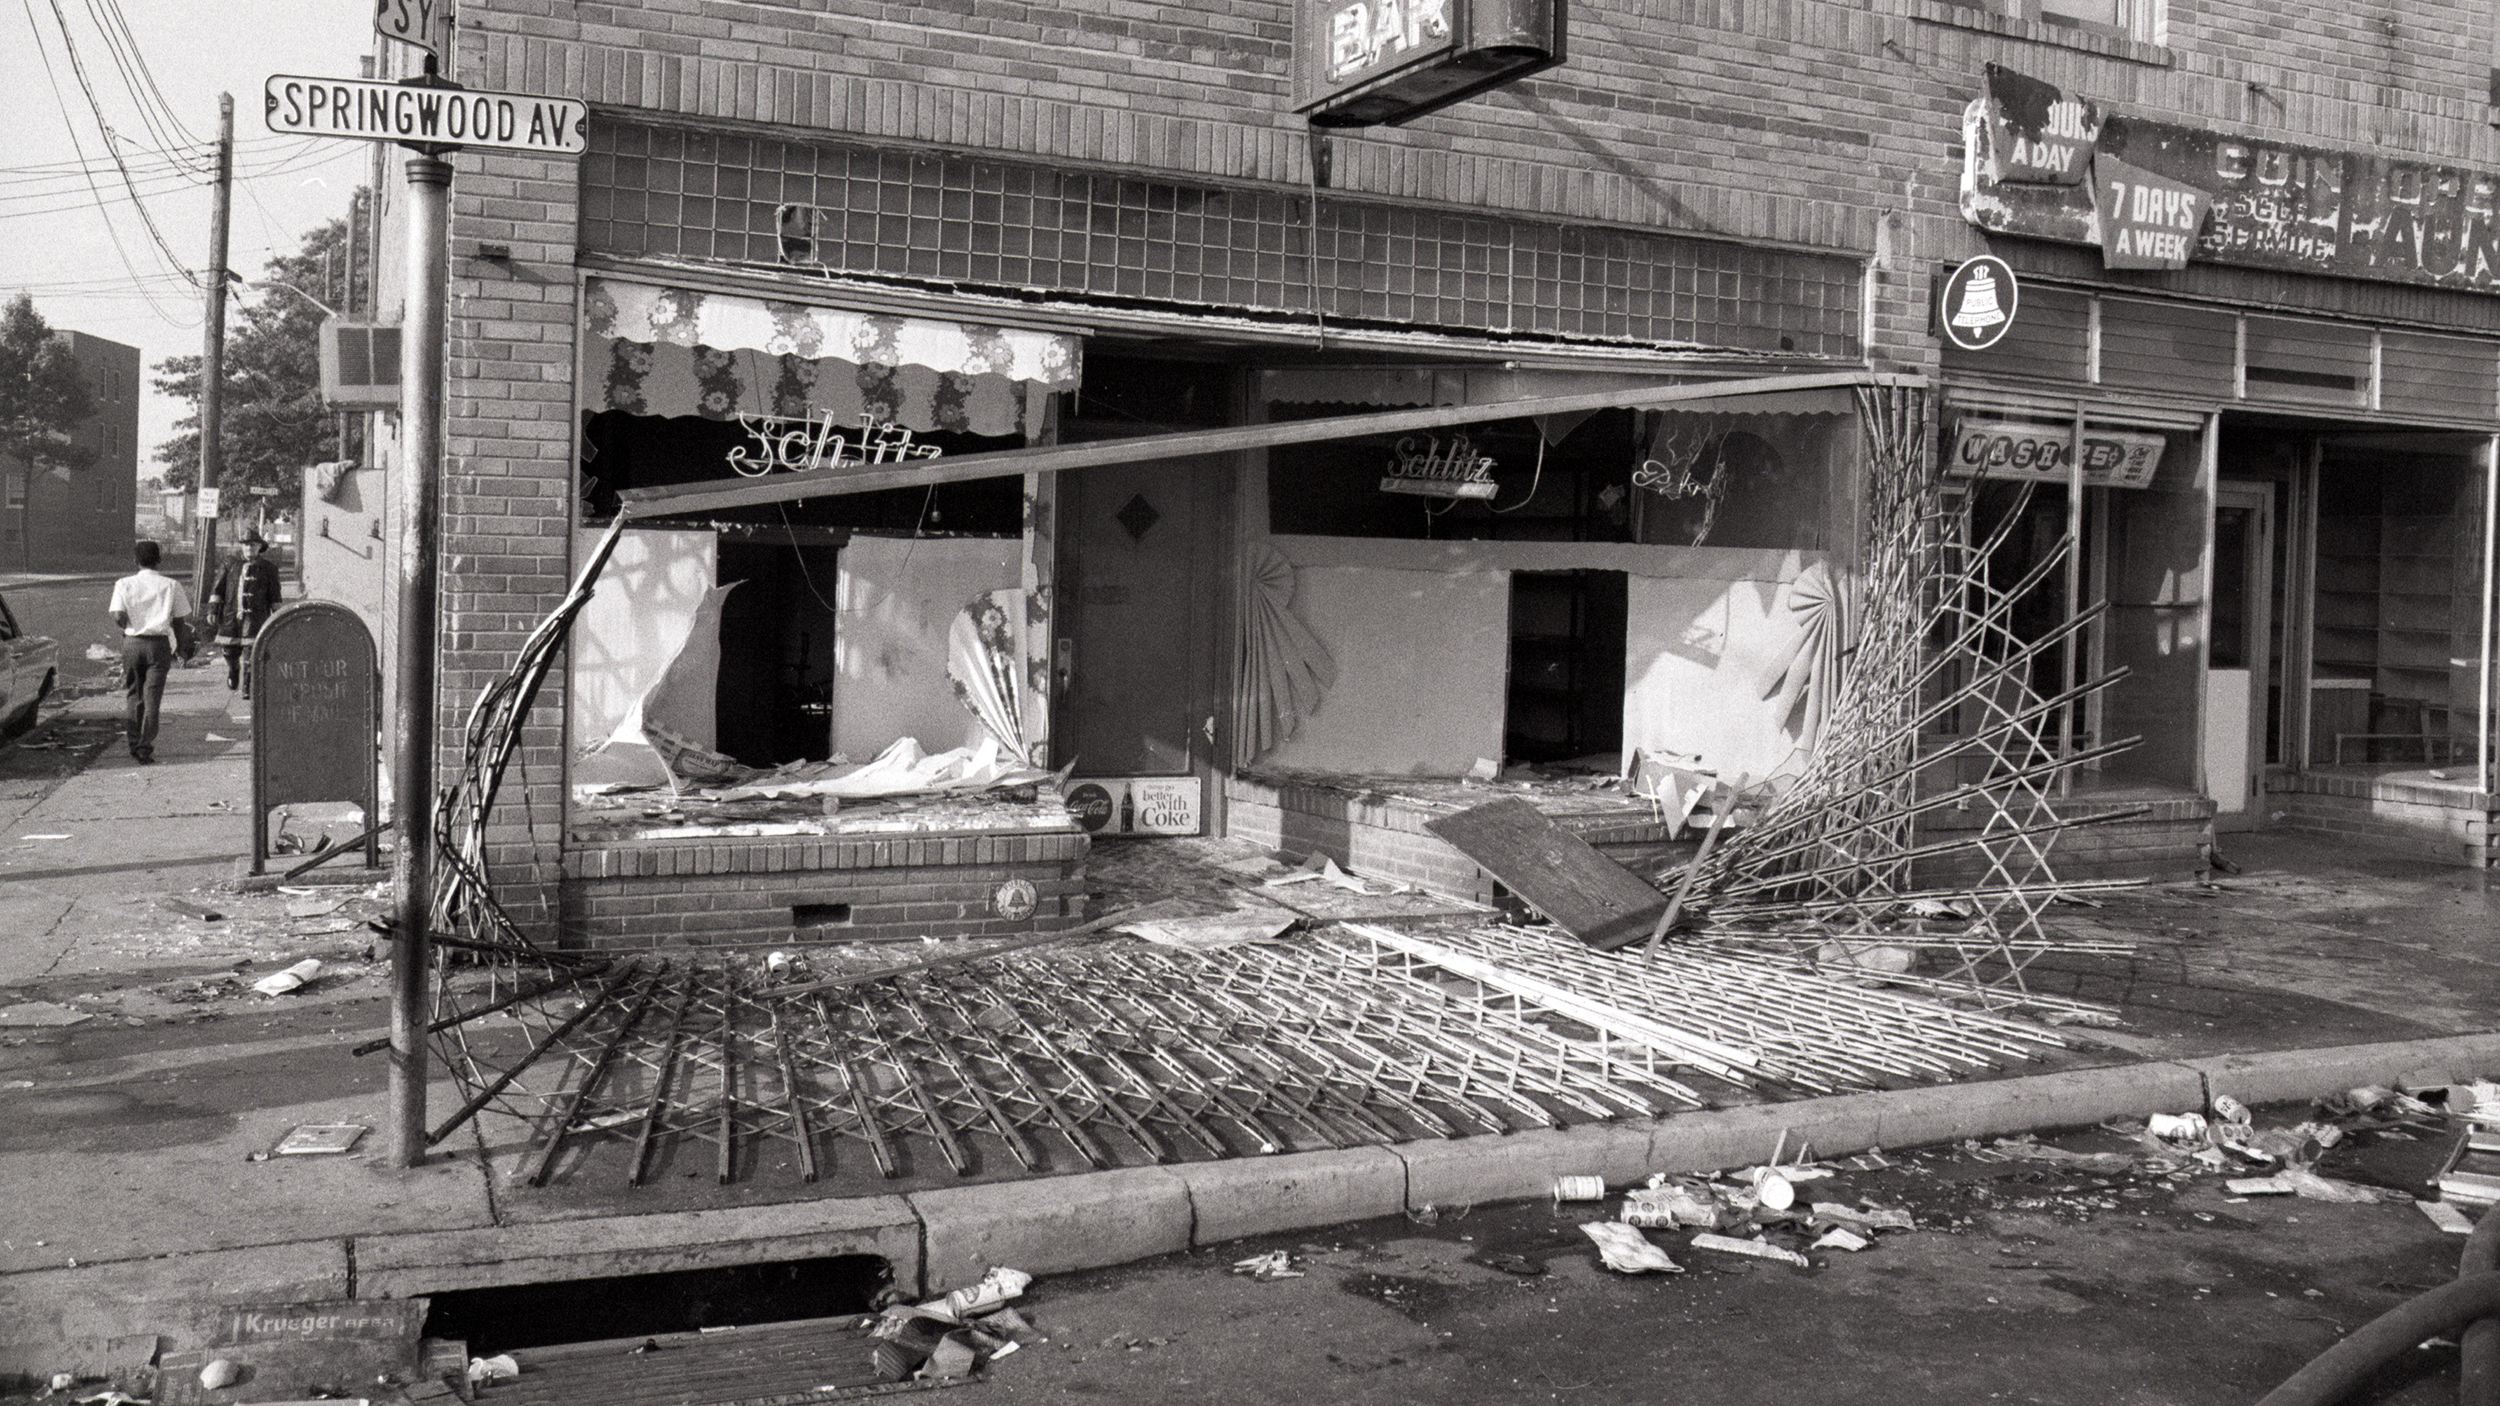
<point x="1359" y="63"/>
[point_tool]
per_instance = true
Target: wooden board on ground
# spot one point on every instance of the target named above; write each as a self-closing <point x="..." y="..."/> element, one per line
<point x="1559" y="874"/>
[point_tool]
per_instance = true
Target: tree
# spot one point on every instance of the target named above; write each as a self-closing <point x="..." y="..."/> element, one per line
<point x="43" y="393"/>
<point x="273" y="425"/>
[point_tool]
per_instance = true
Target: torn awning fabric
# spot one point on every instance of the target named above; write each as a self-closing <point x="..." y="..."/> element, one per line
<point x="650" y="349"/>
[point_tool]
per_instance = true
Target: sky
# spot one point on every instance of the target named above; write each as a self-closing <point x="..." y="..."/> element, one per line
<point x="71" y="233"/>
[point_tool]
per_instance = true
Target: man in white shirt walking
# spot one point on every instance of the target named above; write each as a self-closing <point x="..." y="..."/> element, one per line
<point x="146" y="603"/>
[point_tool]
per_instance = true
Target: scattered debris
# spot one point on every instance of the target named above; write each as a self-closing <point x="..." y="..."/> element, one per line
<point x="292" y="979"/>
<point x="1668" y="1205"/>
<point x="1217" y="930"/>
<point x="1759" y="1249"/>
<point x="1275" y="1264"/>
<point x="42" y="1013"/>
<point x="949" y="1338"/>
<point x="2446" y="1216"/>
<point x="1627" y="1251"/>
<point x="498" y="1368"/>
<point x="2176" y="1127"/>
<point x="319" y="1139"/>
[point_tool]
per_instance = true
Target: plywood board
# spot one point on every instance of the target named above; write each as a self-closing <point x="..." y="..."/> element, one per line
<point x="1559" y="874"/>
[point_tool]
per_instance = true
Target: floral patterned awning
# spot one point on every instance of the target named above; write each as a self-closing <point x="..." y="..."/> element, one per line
<point x="652" y="350"/>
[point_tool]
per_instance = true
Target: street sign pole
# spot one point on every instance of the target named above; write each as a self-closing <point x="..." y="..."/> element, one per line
<point x="417" y="505"/>
<point x="431" y="116"/>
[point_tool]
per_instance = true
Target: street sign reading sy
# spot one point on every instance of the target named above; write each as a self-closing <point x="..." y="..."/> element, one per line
<point x="424" y="23"/>
<point x="373" y="111"/>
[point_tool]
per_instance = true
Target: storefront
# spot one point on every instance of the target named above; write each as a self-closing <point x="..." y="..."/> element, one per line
<point x="2286" y="483"/>
<point x="1020" y="470"/>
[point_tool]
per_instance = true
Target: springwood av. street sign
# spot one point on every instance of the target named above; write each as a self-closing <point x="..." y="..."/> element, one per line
<point x="367" y="110"/>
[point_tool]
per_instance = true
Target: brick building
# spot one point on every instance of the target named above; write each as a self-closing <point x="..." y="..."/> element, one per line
<point x="77" y="520"/>
<point x="807" y="234"/>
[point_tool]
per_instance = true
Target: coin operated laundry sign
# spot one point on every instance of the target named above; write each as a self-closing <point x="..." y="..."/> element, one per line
<point x="1358" y="63"/>
<point x="2005" y="449"/>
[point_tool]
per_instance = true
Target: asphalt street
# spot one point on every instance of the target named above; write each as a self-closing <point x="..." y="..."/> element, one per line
<point x="142" y="1083"/>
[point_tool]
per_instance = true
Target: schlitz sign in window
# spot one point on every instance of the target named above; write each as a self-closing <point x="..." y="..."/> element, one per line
<point x="2043" y="164"/>
<point x="1362" y="62"/>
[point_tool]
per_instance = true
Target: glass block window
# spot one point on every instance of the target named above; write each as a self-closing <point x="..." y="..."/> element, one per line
<point x="1004" y="225"/>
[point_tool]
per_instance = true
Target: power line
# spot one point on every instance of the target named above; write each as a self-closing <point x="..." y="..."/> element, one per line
<point x="59" y="100"/>
<point x="79" y="69"/>
<point x="132" y="83"/>
<point x="138" y="59"/>
<point x="317" y="154"/>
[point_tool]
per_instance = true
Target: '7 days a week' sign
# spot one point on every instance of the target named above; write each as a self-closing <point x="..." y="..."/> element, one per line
<point x="2043" y="164"/>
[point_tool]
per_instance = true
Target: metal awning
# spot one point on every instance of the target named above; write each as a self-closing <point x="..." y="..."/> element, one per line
<point x="1707" y="396"/>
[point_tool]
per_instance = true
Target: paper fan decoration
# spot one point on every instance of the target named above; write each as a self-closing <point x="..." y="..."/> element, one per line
<point x="1285" y="671"/>
<point x="1808" y="671"/>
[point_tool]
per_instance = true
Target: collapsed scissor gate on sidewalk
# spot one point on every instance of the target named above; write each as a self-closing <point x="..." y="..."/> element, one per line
<point x="1111" y="1051"/>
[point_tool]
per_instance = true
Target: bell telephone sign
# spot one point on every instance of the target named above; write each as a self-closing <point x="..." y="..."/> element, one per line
<point x="1358" y="63"/>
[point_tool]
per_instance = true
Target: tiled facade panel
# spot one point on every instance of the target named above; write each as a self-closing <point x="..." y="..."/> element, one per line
<point x="1012" y="225"/>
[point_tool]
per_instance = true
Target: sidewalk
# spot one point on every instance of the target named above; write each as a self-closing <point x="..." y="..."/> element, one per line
<point x="133" y="1138"/>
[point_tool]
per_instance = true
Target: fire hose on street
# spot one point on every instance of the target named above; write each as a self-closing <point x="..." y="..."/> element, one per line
<point x="2468" y="1307"/>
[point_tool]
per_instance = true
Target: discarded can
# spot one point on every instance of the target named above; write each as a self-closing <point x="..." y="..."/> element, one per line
<point x="2176" y="1127"/>
<point x="1667" y="1206"/>
<point x="1579" y="1188"/>
<point x="996" y="1287"/>
<point x="2231" y="1110"/>
<point x="1773" y="1190"/>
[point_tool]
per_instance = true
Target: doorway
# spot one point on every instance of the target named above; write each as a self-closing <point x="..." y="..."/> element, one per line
<point x="2243" y="662"/>
<point x="1564" y="700"/>
<point x="1137" y="618"/>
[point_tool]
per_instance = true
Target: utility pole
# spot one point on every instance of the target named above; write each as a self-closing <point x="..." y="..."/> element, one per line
<point x="414" y="508"/>
<point x="213" y="351"/>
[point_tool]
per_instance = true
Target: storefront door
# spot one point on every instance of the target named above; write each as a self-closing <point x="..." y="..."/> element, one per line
<point x="2240" y="664"/>
<point x="1136" y="618"/>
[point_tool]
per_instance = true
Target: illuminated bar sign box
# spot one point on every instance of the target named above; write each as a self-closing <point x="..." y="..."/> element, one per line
<point x="1359" y="63"/>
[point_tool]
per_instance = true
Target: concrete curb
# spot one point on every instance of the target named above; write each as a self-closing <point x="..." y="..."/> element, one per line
<point x="945" y="1238"/>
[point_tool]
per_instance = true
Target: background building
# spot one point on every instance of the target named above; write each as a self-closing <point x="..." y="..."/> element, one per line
<point x="1010" y="226"/>
<point x="81" y="520"/>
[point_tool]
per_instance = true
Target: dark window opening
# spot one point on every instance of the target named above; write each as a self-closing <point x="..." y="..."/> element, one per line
<point x="773" y="702"/>
<point x="1138" y="395"/>
<point x="1564" y="701"/>
<point x="2039" y="524"/>
<point x="512" y="1316"/>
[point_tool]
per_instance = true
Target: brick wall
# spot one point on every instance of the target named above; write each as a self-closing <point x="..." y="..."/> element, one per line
<point x="2448" y="824"/>
<point x="752" y="891"/>
<point x="507" y="487"/>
